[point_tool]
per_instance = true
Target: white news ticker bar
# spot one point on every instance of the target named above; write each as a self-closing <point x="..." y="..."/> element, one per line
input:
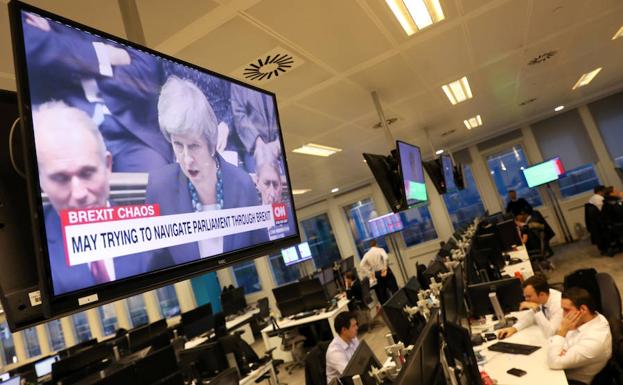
<point x="104" y="240"/>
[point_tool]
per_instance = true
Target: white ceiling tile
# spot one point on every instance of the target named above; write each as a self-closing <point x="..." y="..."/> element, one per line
<point x="160" y="20"/>
<point x="499" y="30"/>
<point x="352" y="35"/>
<point x="304" y="122"/>
<point x="342" y="100"/>
<point x="549" y="16"/>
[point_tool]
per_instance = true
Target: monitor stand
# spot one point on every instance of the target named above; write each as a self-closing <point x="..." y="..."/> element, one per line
<point x="503" y="322"/>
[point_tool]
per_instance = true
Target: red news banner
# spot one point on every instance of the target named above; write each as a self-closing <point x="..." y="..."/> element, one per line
<point x="109" y="232"/>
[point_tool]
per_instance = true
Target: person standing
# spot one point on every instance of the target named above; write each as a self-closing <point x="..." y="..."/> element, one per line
<point x="375" y="264"/>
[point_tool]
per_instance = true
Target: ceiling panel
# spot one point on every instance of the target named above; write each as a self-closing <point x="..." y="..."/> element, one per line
<point x="304" y="122"/>
<point x="296" y="81"/>
<point x="345" y="37"/>
<point x="499" y="30"/>
<point x="228" y="47"/>
<point x="342" y="100"/>
<point x="160" y="20"/>
<point x="550" y="16"/>
<point x="392" y="79"/>
<point x="442" y="58"/>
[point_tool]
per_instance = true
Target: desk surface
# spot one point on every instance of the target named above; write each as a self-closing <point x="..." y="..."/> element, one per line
<point x="535" y="364"/>
<point x="525" y="267"/>
<point x="288" y="323"/>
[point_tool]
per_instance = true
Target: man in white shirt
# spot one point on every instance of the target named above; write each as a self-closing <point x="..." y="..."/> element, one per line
<point x="343" y="346"/>
<point x="542" y="305"/>
<point x="583" y="344"/>
<point x="598" y="197"/>
<point x="375" y="264"/>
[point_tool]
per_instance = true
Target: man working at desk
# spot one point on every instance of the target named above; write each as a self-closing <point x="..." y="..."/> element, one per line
<point x="343" y="346"/>
<point x="544" y="308"/>
<point x="583" y="344"/>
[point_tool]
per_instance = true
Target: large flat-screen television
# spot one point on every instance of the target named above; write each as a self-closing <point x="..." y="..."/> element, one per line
<point x="448" y="172"/>
<point x="544" y="172"/>
<point x="412" y="173"/>
<point x="386" y="173"/>
<point x="142" y="169"/>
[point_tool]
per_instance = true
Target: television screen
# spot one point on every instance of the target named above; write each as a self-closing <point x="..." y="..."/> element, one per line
<point x="410" y="159"/>
<point x="385" y="224"/>
<point x="296" y="254"/>
<point x="544" y="172"/>
<point x="304" y="250"/>
<point x="386" y="173"/>
<point x="448" y="172"/>
<point x="144" y="169"/>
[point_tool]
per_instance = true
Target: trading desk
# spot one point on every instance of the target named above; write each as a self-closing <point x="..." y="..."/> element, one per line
<point x="287" y="323"/>
<point x="535" y="364"/>
<point x="241" y="322"/>
<point x="525" y="267"/>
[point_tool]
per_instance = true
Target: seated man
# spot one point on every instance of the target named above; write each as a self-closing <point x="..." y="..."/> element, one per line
<point x="544" y="308"/>
<point x="583" y="344"/>
<point x="599" y="194"/>
<point x="343" y="346"/>
<point x="353" y="289"/>
<point x="530" y="226"/>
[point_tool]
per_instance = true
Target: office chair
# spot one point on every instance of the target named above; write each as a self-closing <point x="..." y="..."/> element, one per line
<point x="316" y="362"/>
<point x="291" y="341"/>
<point x="262" y="318"/>
<point x="611" y="309"/>
<point x="362" y="308"/>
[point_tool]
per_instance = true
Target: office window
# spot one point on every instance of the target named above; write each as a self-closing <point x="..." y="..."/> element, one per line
<point x="108" y="318"/>
<point x="167" y="297"/>
<point x="137" y="310"/>
<point x="418" y="226"/>
<point x="505" y="168"/>
<point x="246" y="276"/>
<point x="578" y="180"/>
<point x="358" y="215"/>
<point x="31" y="342"/>
<point x="464" y="205"/>
<point x="609" y="118"/>
<point x="81" y="327"/>
<point x="283" y="274"/>
<point x="56" y="338"/>
<point x="8" y="347"/>
<point x="319" y="235"/>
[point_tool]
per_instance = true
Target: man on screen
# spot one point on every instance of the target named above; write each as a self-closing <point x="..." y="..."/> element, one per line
<point x="201" y="180"/>
<point x="74" y="172"/>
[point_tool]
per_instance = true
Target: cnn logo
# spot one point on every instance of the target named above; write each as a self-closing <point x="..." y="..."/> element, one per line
<point x="279" y="212"/>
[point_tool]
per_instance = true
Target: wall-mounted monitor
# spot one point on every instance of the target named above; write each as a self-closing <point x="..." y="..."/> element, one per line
<point x="387" y="175"/>
<point x="127" y="186"/>
<point x="447" y="169"/>
<point x="544" y="172"/>
<point x="295" y="254"/>
<point x="412" y="173"/>
<point x="385" y="224"/>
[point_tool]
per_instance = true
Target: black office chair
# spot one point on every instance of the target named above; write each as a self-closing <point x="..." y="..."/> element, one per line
<point x="362" y="307"/>
<point x="262" y="318"/>
<point x="315" y="363"/>
<point x="611" y="309"/>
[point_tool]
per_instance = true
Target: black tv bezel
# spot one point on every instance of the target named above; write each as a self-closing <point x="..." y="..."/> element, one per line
<point x="523" y="172"/>
<point x="402" y="179"/>
<point x="57" y="305"/>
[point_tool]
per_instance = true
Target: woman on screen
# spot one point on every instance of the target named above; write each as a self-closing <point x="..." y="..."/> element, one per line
<point x="200" y="180"/>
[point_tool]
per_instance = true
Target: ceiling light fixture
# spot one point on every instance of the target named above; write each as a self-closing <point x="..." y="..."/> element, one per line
<point x="457" y="91"/>
<point x="618" y="34"/>
<point x="300" y="191"/>
<point x="316" y="150"/>
<point x="474" y="122"/>
<point x="559" y="108"/>
<point x="586" y="78"/>
<point x="414" y="15"/>
<point x="335" y="189"/>
<point x="438" y="152"/>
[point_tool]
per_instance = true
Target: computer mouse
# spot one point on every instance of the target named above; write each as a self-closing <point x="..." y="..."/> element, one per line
<point x="477" y="340"/>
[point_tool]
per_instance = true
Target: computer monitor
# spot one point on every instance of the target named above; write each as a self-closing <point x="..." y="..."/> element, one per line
<point x="287" y="299"/>
<point x="509" y="293"/>
<point x="233" y="301"/>
<point x="157" y="365"/>
<point x="44" y="367"/>
<point x="227" y="377"/>
<point x="411" y="372"/>
<point x="347" y="264"/>
<point x="192" y="329"/>
<point x="461" y="352"/>
<point x="509" y="234"/>
<point x="486" y="265"/>
<point x="77" y="348"/>
<point x="79" y="365"/>
<point x="449" y="301"/>
<point x="196" y="313"/>
<point x="459" y="279"/>
<point x="405" y="329"/>
<point x="491" y="241"/>
<point x="206" y="360"/>
<point x="435" y="268"/>
<point x="412" y="288"/>
<point x="360" y="363"/>
<point x="430" y="345"/>
<point x="12" y="381"/>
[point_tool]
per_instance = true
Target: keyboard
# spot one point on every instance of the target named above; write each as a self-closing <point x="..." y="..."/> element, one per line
<point x="507" y="347"/>
<point x="304" y="314"/>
